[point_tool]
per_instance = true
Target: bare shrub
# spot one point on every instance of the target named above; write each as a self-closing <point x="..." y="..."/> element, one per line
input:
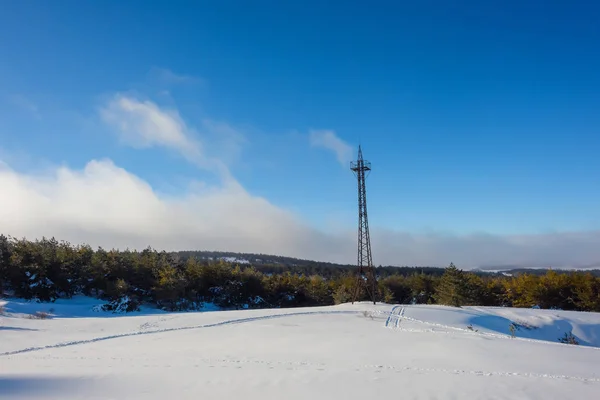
<point x="39" y="315"/>
<point x="513" y="329"/>
<point x="569" y="338"/>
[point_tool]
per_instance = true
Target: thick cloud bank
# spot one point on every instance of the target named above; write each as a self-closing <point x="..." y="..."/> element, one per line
<point x="105" y="205"/>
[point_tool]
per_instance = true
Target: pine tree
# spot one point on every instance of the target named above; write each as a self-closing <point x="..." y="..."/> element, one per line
<point x="5" y="266"/>
<point x="453" y="288"/>
<point x="395" y="288"/>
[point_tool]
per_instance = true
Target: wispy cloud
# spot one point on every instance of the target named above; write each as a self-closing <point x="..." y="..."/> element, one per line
<point x="142" y="124"/>
<point x="168" y="77"/>
<point x="329" y="140"/>
<point x="24" y="103"/>
<point x="228" y="140"/>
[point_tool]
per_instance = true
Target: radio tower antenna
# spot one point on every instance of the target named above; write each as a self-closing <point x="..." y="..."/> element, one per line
<point x="365" y="275"/>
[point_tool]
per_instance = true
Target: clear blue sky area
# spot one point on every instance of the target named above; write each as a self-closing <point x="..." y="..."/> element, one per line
<point x="476" y="115"/>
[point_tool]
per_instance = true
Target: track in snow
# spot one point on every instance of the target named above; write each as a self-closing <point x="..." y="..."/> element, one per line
<point x="393" y="321"/>
<point x="397" y="314"/>
<point x="148" y="332"/>
<point x="389" y="318"/>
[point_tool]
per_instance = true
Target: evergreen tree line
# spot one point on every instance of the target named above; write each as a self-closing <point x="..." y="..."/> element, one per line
<point x="336" y="271"/>
<point x="48" y="269"/>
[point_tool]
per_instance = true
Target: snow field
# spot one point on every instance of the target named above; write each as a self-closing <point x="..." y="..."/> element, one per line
<point x="427" y="352"/>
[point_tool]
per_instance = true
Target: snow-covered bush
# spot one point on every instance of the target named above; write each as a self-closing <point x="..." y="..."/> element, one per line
<point x="181" y="305"/>
<point x="123" y="305"/>
<point x="368" y="314"/>
<point x="569" y="338"/>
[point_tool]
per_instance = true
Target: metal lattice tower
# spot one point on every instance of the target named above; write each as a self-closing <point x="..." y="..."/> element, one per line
<point x="365" y="274"/>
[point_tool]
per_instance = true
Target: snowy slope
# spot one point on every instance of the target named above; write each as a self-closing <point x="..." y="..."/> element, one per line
<point x="347" y="351"/>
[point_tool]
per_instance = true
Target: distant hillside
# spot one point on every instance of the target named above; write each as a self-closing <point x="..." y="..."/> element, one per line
<point x="268" y="263"/>
<point x="271" y="264"/>
<point x="252" y="258"/>
<point x="543" y="271"/>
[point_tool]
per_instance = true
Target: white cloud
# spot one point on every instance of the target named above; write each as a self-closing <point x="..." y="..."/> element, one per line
<point x="329" y="140"/>
<point x="108" y="206"/>
<point x="105" y="205"/>
<point x="568" y="249"/>
<point x="144" y="124"/>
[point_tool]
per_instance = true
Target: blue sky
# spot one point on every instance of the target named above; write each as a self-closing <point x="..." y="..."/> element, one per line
<point x="480" y="118"/>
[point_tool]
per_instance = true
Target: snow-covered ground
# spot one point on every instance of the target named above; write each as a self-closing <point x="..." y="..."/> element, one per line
<point x="348" y="351"/>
